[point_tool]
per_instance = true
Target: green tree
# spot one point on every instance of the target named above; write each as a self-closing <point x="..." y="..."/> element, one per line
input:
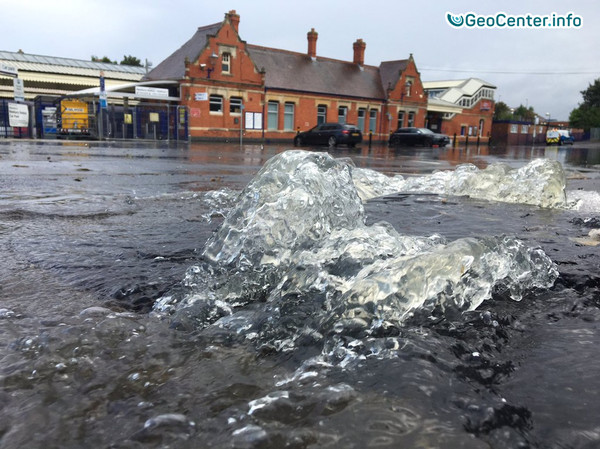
<point x="585" y="117"/>
<point x="591" y="96"/>
<point x="131" y="60"/>
<point x="103" y="59"/>
<point x="587" y="114"/>
<point x="524" y="113"/>
<point x="502" y="111"/>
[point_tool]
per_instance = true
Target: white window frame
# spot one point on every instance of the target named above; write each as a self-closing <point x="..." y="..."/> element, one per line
<point x="342" y="118"/>
<point x="362" y="114"/>
<point x="321" y="114"/>
<point x="400" y="122"/>
<point x="288" y="116"/>
<point x="235" y="105"/>
<point x="273" y="115"/>
<point x="215" y="100"/>
<point x="373" y="120"/>
<point x="226" y="63"/>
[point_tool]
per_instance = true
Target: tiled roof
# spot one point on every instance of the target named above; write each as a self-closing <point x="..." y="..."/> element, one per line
<point x="390" y="72"/>
<point x="174" y="66"/>
<point x="298" y="72"/>
<point x="293" y="71"/>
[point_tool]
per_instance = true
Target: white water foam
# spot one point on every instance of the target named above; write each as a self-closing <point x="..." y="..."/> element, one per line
<point x="540" y="183"/>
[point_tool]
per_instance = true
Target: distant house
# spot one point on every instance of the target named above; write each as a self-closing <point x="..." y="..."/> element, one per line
<point x="230" y="86"/>
<point x="519" y="132"/>
<point x="461" y="107"/>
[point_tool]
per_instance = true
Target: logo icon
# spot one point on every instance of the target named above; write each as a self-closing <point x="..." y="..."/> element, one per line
<point x="456" y="21"/>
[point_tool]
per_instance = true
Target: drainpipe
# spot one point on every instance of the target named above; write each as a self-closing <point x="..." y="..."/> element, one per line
<point x="241" y="120"/>
<point x="264" y="120"/>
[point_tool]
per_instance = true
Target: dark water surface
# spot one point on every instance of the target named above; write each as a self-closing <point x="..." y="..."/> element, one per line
<point x="91" y="235"/>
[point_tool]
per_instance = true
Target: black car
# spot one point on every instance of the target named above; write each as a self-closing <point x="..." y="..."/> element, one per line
<point x="418" y="136"/>
<point x="330" y="134"/>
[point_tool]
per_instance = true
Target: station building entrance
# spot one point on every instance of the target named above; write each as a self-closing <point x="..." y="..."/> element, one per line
<point x="144" y="110"/>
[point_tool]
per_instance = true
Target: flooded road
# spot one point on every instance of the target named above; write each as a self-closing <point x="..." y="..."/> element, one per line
<point x="94" y="236"/>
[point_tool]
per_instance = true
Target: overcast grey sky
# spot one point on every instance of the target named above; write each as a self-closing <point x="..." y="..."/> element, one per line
<point x="543" y="68"/>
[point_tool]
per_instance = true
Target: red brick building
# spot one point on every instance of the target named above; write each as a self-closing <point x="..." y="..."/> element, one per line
<point x="463" y="107"/>
<point x="230" y="86"/>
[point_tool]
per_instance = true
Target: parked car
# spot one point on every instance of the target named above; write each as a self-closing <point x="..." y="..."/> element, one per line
<point x="559" y="137"/>
<point x="330" y="134"/>
<point x="418" y="136"/>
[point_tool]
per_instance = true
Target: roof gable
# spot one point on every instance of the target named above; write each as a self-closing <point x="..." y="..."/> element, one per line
<point x="456" y="89"/>
<point x="174" y="66"/>
<point x="390" y="72"/>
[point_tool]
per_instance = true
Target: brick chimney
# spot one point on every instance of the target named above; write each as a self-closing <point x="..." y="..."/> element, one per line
<point x="234" y="19"/>
<point x="312" y="36"/>
<point x="359" y="52"/>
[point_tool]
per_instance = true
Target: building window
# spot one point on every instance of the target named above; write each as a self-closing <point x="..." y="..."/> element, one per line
<point x="235" y="105"/>
<point x="321" y="114"/>
<point x="408" y="86"/>
<point x="342" y="114"/>
<point x="372" y="120"/>
<point x="514" y="129"/>
<point x="362" y="112"/>
<point x="272" y="115"/>
<point x="411" y="119"/>
<point x="216" y="103"/>
<point x="288" y="116"/>
<point x="524" y="129"/>
<point x="463" y="130"/>
<point x="481" y="128"/>
<point x="400" y="119"/>
<point x="226" y="63"/>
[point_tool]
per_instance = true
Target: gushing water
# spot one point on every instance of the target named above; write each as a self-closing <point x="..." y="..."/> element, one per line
<point x="296" y="241"/>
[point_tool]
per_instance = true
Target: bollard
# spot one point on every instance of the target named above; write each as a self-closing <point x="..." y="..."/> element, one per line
<point x="370" y="138"/>
<point x="454" y="141"/>
<point x="466" y="141"/>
